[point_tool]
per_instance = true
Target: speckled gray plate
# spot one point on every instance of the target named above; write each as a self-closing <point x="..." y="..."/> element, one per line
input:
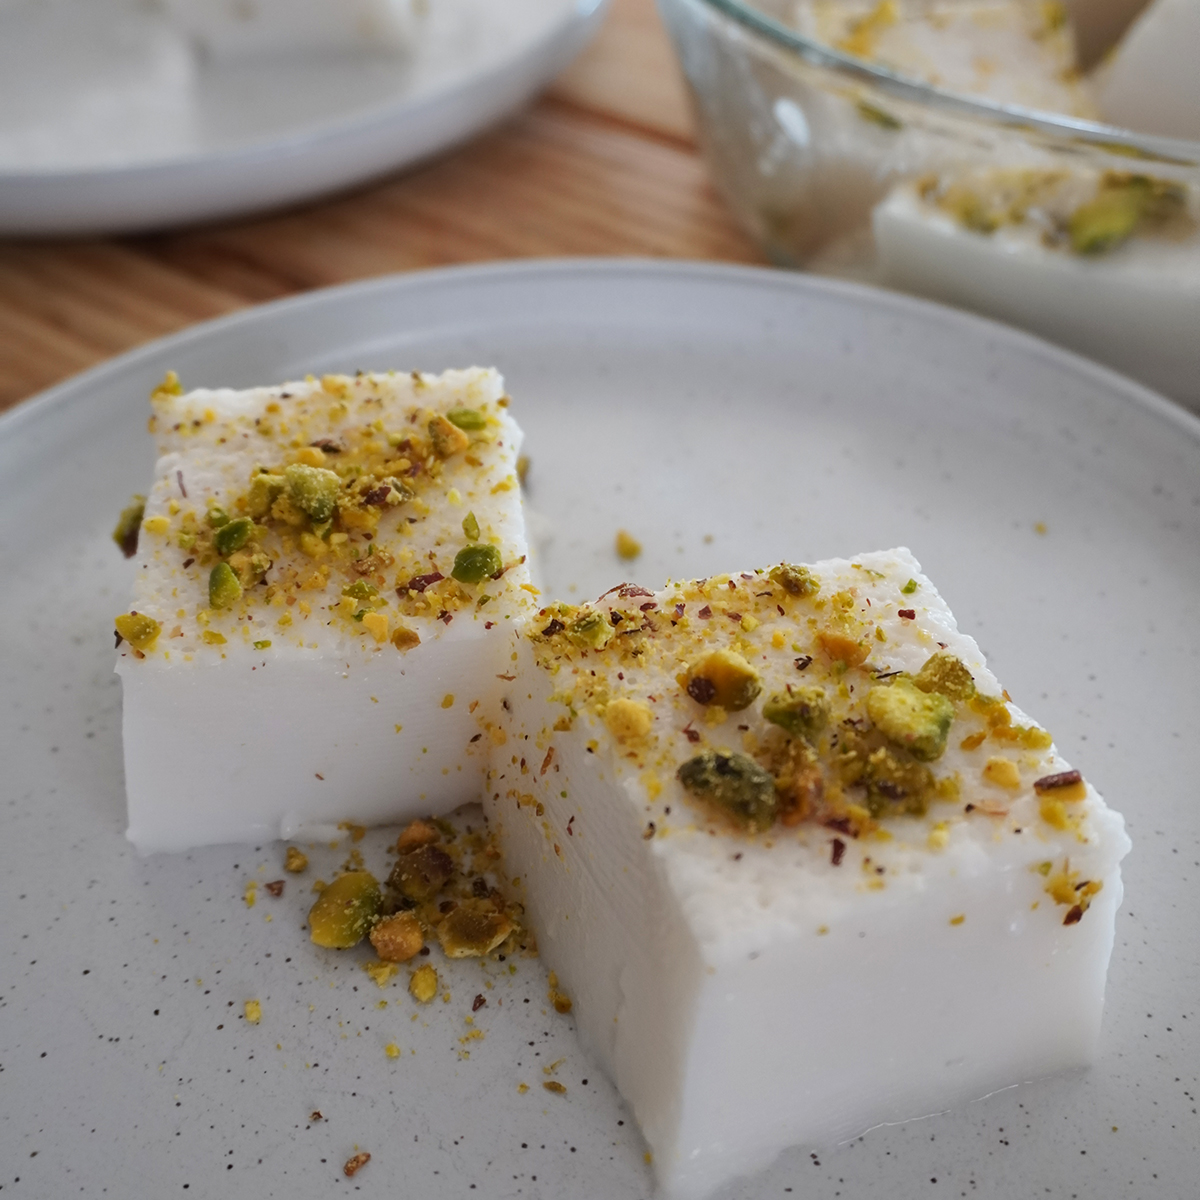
<point x="728" y="417"/>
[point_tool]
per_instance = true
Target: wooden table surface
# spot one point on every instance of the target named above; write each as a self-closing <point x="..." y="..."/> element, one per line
<point x="604" y="163"/>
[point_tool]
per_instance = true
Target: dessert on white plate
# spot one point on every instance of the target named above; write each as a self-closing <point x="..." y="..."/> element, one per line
<point x="801" y="864"/>
<point x="327" y="573"/>
<point x="231" y="29"/>
<point x="780" y="834"/>
<point x="1107" y="262"/>
<point x="1149" y="81"/>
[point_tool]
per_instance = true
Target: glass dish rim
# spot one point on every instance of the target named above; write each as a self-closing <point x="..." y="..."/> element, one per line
<point x="1175" y="151"/>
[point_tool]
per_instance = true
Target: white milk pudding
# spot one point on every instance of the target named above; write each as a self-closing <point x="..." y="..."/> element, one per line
<point x="327" y="576"/>
<point x="1105" y="262"/>
<point x="798" y="859"/>
<point x="1150" y="82"/>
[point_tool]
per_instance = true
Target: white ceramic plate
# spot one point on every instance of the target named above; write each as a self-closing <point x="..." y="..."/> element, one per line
<point x="773" y="414"/>
<point x="108" y="125"/>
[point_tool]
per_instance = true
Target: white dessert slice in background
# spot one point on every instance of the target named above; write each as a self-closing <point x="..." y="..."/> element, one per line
<point x="1150" y="83"/>
<point x="232" y="29"/>
<point x="1018" y="52"/>
<point x="1099" y="24"/>
<point x="91" y="84"/>
<point x="325" y="586"/>
<point x="1105" y="263"/>
<point x="799" y="863"/>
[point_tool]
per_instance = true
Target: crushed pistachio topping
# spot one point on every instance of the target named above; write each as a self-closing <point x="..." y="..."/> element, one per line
<point x="1083" y="212"/>
<point x="424" y="984"/>
<point x="734" y="783"/>
<point x="1124" y="206"/>
<point x="129" y="525"/>
<point x="345" y="911"/>
<point x="295" y="860"/>
<point x="724" y="678"/>
<point x="442" y="893"/>
<point x="796" y="581"/>
<point x="627" y="546"/>
<point x="911" y="717"/>
<point x="340" y="518"/>
<point x="469" y="419"/>
<point x="398" y="938"/>
<point x="945" y="675"/>
<point x="139" y="630"/>
<point x="224" y="588"/>
<point x="1065" y="887"/>
<point x="169" y="386"/>
<point x="800" y="711"/>
<point x="781" y="708"/>
<point x="474" y="564"/>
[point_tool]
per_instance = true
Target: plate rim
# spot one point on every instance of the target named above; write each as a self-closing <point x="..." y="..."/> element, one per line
<point x="575" y="12"/>
<point x="73" y="390"/>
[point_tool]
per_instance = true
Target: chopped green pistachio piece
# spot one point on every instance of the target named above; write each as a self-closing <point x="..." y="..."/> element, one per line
<point x="345" y="911"/>
<point x="129" y="524"/>
<point x="725" y="678"/>
<point x="470" y="527"/>
<point x="224" y="590"/>
<point x="467" y="418"/>
<point x="627" y="546"/>
<point x="446" y="437"/>
<point x="801" y="711"/>
<point x="421" y="873"/>
<point x="919" y="721"/>
<point x="591" y="631"/>
<point x="734" y="783"/>
<point x="895" y="782"/>
<point x="909" y="587"/>
<point x="187" y="541"/>
<point x="249" y="568"/>
<point x="796" y="581"/>
<point x="233" y="535"/>
<point x="946" y="675"/>
<point x="262" y="645"/>
<point x="217" y="516"/>
<point x="878" y="116"/>
<point x="474" y="564"/>
<point x="361" y="589"/>
<point x="264" y="491"/>
<point x="313" y="490"/>
<point x="139" y="630"/>
<point x="470" y="933"/>
<point x="1104" y="223"/>
<point x="170" y="386"/>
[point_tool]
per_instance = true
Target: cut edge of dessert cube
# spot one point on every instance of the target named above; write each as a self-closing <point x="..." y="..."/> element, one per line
<point x="325" y="592"/>
<point x="790" y="847"/>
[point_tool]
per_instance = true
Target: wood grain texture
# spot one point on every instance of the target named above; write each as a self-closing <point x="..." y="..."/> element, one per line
<point x="604" y="164"/>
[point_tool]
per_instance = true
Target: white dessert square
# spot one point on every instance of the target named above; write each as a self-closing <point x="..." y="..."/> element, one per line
<point x="798" y="861"/>
<point x="1149" y="82"/>
<point x="231" y="29"/>
<point x="1012" y="51"/>
<point x="1105" y="262"/>
<point x="326" y="580"/>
